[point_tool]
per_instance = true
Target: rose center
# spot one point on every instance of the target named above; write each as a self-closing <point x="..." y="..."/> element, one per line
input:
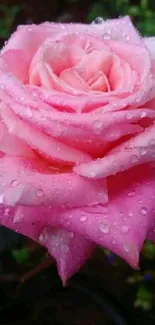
<point x="77" y="67"/>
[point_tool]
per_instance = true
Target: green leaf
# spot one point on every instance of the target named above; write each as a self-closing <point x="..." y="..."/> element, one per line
<point x="21" y="255"/>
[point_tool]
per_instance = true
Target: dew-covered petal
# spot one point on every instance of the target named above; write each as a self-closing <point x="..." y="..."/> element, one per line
<point x="69" y="249"/>
<point x="121" y="225"/>
<point x="120" y="29"/>
<point x="72" y="78"/>
<point x="50" y="81"/>
<point x="51" y="149"/>
<point x="88" y="132"/>
<point x="140" y="62"/>
<point x="30" y="182"/>
<point x="150" y="44"/>
<point x="12" y="145"/>
<point x="138" y="150"/>
<point x="30" y="37"/>
<point x="15" y="62"/>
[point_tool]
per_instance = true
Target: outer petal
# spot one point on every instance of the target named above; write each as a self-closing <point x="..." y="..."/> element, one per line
<point x="121" y="225"/>
<point x="87" y="132"/>
<point x="51" y="149"/>
<point x="12" y="145"/>
<point x="30" y="182"/>
<point x="69" y="249"/>
<point x="15" y="62"/>
<point x="150" y="44"/>
<point x="136" y="151"/>
<point x="30" y="37"/>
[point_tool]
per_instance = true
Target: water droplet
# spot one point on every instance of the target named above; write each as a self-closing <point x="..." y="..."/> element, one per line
<point x="143" y="151"/>
<point x="114" y="242"/>
<point x="126" y="248"/>
<point x="62" y="26"/>
<point x="128" y="115"/>
<point x="66" y="249"/>
<point x="97" y="124"/>
<point x="153" y="154"/>
<point x="6" y="211"/>
<point x="104" y="228"/>
<point x="134" y="159"/>
<point x="143" y="114"/>
<point x="130" y="214"/>
<point x="124" y="229"/>
<point x="28" y="112"/>
<point x="152" y="142"/>
<point x="41" y="237"/>
<point x="143" y="211"/>
<point x="140" y="201"/>
<point x="1" y="198"/>
<point x="83" y="218"/>
<point x="70" y="235"/>
<point x="132" y="193"/>
<point x="106" y="35"/>
<point x="98" y="20"/>
<point x="39" y="193"/>
<point x="14" y="182"/>
<point x="91" y="173"/>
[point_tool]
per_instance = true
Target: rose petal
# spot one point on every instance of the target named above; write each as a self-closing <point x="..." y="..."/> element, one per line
<point x="30" y="37"/>
<point x="12" y="145"/>
<point x="150" y="44"/>
<point x="136" y="151"/>
<point x="72" y="78"/>
<point x="15" y="62"/>
<point x="87" y="132"/>
<point x="140" y="62"/>
<point x="121" y="225"/>
<point x="69" y="249"/>
<point x="29" y="182"/>
<point x="50" y="148"/>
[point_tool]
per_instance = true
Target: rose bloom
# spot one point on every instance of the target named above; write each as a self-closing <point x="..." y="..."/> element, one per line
<point x="77" y="140"/>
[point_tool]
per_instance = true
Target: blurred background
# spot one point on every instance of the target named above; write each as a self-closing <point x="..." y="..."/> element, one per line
<point x="15" y="12"/>
<point x="29" y="295"/>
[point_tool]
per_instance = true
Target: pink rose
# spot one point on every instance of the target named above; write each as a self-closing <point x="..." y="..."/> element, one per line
<point x="77" y="141"/>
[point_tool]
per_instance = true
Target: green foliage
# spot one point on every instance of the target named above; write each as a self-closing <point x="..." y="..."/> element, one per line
<point x="144" y="298"/>
<point x="142" y="12"/>
<point x="7" y="18"/>
<point x="21" y="255"/>
<point x="149" y="250"/>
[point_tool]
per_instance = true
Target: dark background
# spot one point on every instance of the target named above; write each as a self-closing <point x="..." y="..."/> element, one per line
<point x="14" y="12"/>
<point x="40" y="299"/>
